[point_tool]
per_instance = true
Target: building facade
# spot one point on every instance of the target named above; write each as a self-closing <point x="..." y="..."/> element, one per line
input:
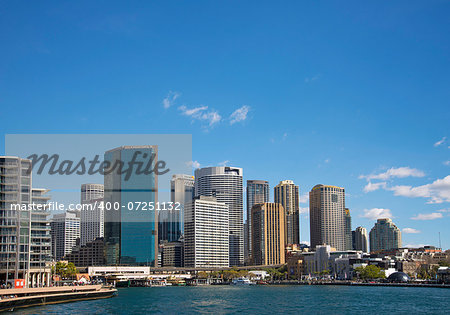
<point x="181" y="193"/>
<point x="348" y="230"/>
<point x="41" y="239"/>
<point x="90" y="254"/>
<point x="173" y="254"/>
<point x="225" y="184"/>
<point x="268" y="234"/>
<point x="65" y="231"/>
<point x="361" y="239"/>
<point x="385" y="235"/>
<point x="131" y="237"/>
<point x="92" y="213"/>
<point x="206" y="240"/>
<point x="327" y="210"/>
<point x="15" y="224"/>
<point x="257" y="192"/>
<point x="286" y="193"/>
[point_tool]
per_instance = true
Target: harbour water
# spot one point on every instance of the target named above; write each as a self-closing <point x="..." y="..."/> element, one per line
<point x="261" y="299"/>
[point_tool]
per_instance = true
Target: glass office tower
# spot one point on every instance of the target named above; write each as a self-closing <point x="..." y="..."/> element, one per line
<point x="131" y="233"/>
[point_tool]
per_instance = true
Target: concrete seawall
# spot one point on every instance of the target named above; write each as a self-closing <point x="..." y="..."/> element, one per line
<point x="19" y="298"/>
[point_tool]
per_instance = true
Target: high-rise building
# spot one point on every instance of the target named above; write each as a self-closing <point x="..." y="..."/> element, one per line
<point x="385" y="235"/>
<point x="93" y="214"/>
<point x="65" y="230"/>
<point x="268" y="243"/>
<point x="206" y="240"/>
<point x="15" y="224"/>
<point x="131" y="237"/>
<point x="181" y="193"/>
<point x="225" y="184"/>
<point x="361" y="239"/>
<point x="257" y="192"/>
<point x="348" y="229"/>
<point x="286" y="193"/>
<point x="41" y="239"/>
<point x="326" y="211"/>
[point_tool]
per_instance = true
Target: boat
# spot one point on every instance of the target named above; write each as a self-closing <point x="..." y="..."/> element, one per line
<point x="241" y="281"/>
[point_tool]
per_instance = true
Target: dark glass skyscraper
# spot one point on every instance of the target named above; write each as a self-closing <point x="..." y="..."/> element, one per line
<point x="257" y="192"/>
<point x="131" y="234"/>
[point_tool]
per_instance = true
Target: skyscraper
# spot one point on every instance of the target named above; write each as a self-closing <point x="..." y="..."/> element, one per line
<point x="41" y="238"/>
<point x="65" y="232"/>
<point x="268" y="243"/>
<point x="225" y="183"/>
<point x="15" y="189"/>
<point x="206" y="240"/>
<point x="286" y="193"/>
<point x="93" y="213"/>
<point x="361" y="239"/>
<point x="182" y="192"/>
<point x="385" y="235"/>
<point x="131" y="237"/>
<point x="326" y="211"/>
<point x="348" y="230"/>
<point x="257" y="192"/>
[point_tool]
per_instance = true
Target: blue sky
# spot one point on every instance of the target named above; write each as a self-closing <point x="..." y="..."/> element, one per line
<point x="313" y="91"/>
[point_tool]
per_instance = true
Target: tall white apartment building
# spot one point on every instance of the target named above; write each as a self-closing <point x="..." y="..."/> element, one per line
<point x="65" y="232"/>
<point x="92" y="214"/>
<point x="206" y="239"/>
<point x="15" y="224"/>
<point x="225" y="184"/>
<point x="361" y="239"/>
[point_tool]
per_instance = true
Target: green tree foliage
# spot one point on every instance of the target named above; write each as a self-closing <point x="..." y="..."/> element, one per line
<point x="370" y="272"/>
<point x="65" y="270"/>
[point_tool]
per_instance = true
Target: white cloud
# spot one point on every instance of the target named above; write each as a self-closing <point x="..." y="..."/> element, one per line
<point x="428" y="216"/>
<point x="437" y="192"/>
<point x="239" y="114"/>
<point x="414" y="245"/>
<point x="304" y="210"/>
<point x="377" y="213"/>
<point x="447" y="163"/>
<point x="194" y="164"/>
<point x="304" y="198"/>
<point x="399" y="172"/>
<point x="327" y="160"/>
<point x="314" y="78"/>
<point x="201" y="113"/>
<point x="224" y="163"/>
<point x="170" y="99"/>
<point x="440" y="142"/>
<point x="374" y="186"/>
<point x="410" y="231"/>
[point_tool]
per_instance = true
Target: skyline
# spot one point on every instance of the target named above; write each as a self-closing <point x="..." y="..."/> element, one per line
<point x="354" y="97"/>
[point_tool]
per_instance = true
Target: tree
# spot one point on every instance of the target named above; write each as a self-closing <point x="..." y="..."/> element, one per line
<point x="65" y="270"/>
<point x="370" y="272"/>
